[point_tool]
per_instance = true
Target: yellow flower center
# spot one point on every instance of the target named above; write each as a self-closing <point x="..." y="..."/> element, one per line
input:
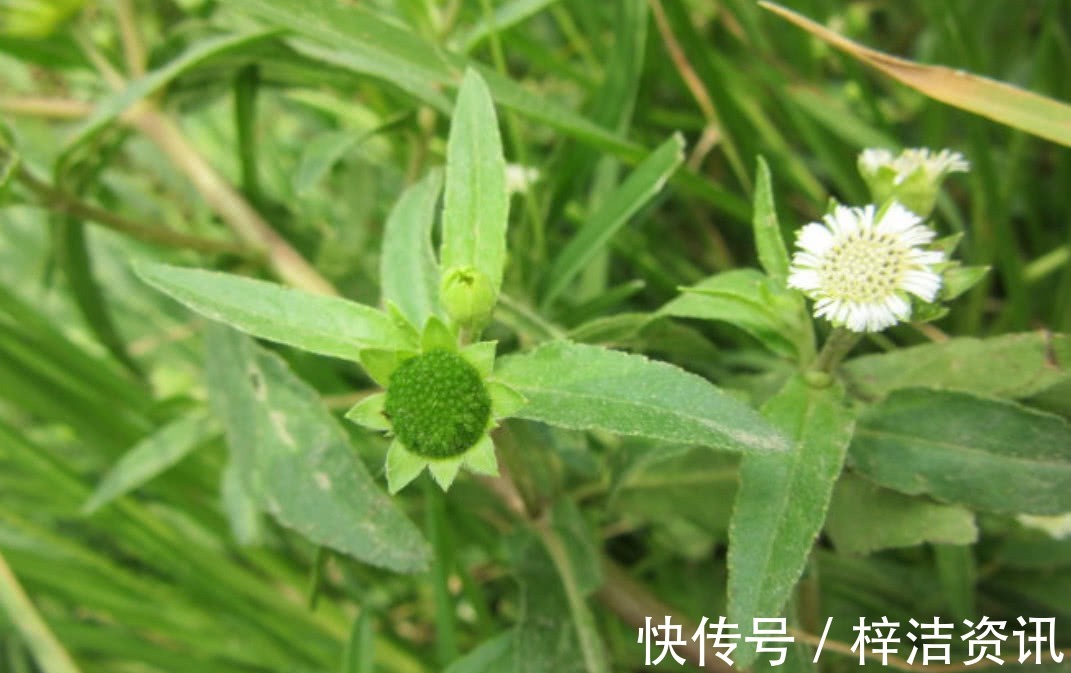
<point x="866" y="267"/>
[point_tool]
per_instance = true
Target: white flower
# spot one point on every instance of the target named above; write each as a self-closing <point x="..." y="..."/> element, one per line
<point x="859" y="269"/>
<point x="935" y="166"/>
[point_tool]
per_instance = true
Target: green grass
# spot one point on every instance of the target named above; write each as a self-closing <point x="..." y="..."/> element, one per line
<point x="273" y="138"/>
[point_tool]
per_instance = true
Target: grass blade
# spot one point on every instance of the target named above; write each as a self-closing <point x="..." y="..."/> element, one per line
<point x="149" y="457"/>
<point x="1027" y="111"/>
<point x="642" y="185"/>
<point x="47" y="651"/>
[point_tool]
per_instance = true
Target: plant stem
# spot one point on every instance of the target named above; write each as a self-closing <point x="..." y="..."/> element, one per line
<point x="439" y="534"/>
<point x="837" y="345"/>
<point x="37" y="106"/>
<point x="133" y="45"/>
<point x="60" y="202"/>
<point x="47" y="650"/>
<point x="633" y="603"/>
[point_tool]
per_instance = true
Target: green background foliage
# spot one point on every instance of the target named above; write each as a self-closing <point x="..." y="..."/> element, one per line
<point x="177" y="496"/>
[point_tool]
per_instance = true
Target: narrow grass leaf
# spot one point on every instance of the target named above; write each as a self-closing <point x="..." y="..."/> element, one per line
<point x="47" y="650"/>
<point x="110" y="109"/>
<point x="297" y="462"/>
<point x="1027" y="111"/>
<point x="150" y="457"/>
<point x="320" y="155"/>
<point x="475" y="201"/>
<point x="317" y="323"/>
<point x="506" y="15"/>
<point x="408" y="271"/>
<point x="587" y="388"/>
<point x="491" y="656"/>
<point x="72" y="252"/>
<point x="641" y="186"/>
<point x="781" y="503"/>
<point x="983" y="453"/>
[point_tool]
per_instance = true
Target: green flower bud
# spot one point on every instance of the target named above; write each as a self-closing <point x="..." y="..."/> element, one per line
<point x="913" y="178"/>
<point x="468" y="296"/>
<point x="437" y="404"/>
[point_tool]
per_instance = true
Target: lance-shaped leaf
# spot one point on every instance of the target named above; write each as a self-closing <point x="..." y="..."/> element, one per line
<point x="781" y="503"/>
<point x="590" y="388"/>
<point x="618" y="207"/>
<point x="317" y="323"/>
<point x="151" y="456"/>
<point x="1010" y="365"/>
<point x="864" y="517"/>
<point x="475" y="203"/>
<point x="983" y="453"/>
<point x="408" y="271"/>
<point x="296" y="462"/>
<point x="768" y="240"/>
<point x="755" y="303"/>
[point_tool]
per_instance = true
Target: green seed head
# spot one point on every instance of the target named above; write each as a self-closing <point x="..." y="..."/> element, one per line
<point x="437" y="404"/>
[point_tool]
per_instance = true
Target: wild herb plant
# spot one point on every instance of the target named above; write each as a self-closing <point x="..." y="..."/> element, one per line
<point x="849" y="419"/>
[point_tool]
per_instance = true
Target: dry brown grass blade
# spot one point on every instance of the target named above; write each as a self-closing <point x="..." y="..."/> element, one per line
<point x="1044" y="117"/>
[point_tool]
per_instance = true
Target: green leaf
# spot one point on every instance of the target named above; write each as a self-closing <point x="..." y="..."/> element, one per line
<point x="358" y="39"/>
<point x="505" y="15"/>
<point x="753" y="302"/>
<point x="320" y="155"/>
<point x="983" y="453"/>
<point x="1012" y="365"/>
<point x="548" y="635"/>
<point x="958" y="279"/>
<point x="73" y="253"/>
<point x="781" y="503"/>
<point x="475" y="201"/>
<point x="243" y="513"/>
<point x="587" y="388"/>
<point x="578" y="544"/>
<point x="864" y="517"/>
<point x="768" y="241"/>
<point x="316" y="323"/>
<point x="687" y="495"/>
<point x="109" y="110"/>
<point x="297" y="463"/>
<point x="150" y="457"/>
<point x="408" y="271"/>
<point x="491" y="656"/>
<point x="641" y="186"/>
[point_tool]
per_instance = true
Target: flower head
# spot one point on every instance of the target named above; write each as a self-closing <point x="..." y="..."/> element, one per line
<point x="859" y="266"/>
<point x="913" y="177"/>
<point x="440" y="404"/>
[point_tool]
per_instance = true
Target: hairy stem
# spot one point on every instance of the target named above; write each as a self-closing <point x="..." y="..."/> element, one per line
<point x="839" y="343"/>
